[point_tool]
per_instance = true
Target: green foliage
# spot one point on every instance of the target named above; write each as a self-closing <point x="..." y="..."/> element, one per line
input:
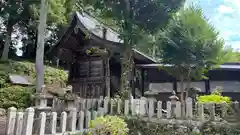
<point x="15" y="11"/>
<point x="112" y="125"/>
<point x="51" y="75"/>
<point x="58" y="11"/>
<point x="19" y="96"/>
<point x="15" y="96"/>
<point x="211" y="129"/>
<point x="214" y="97"/>
<point x="229" y="55"/>
<point x="190" y="43"/>
<point x="140" y="127"/>
<point x="137" y="126"/>
<point x="139" y="12"/>
<point x="23" y="15"/>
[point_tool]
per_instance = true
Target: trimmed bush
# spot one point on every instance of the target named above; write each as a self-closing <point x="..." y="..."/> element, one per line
<point x="15" y="96"/>
<point x="108" y="125"/>
<point x="215" y="97"/>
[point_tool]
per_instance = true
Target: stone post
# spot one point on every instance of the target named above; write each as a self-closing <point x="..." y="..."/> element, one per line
<point x="63" y="122"/>
<point x="201" y="111"/>
<point x="137" y="106"/>
<point x="42" y="123"/>
<point x="150" y="109"/>
<point x="189" y="108"/>
<point x="28" y="122"/>
<point x="11" y="118"/>
<point x="159" y="109"/>
<point x="212" y="111"/>
<point x="173" y="100"/>
<point x="19" y="123"/>
<point x="143" y="106"/>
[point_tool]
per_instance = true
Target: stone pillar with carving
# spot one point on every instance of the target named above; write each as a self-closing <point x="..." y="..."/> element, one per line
<point x="41" y="105"/>
<point x="69" y="99"/>
<point x="41" y="99"/>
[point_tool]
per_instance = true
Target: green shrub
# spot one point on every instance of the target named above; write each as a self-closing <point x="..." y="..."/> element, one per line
<point x="214" y="97"/>
<point x="225" y="129"/>
<point x="140" y="127"/>
<point x="108" y="125"/>
<point x="51" y="75"/>
<point x="19" y="96"/>
<point x="15" y="96"/>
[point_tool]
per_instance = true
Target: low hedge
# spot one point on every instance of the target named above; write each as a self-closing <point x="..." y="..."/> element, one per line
<point x="140" y="127"/>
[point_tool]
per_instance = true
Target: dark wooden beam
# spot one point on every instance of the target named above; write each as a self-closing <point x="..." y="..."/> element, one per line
<point x="175" y="86"/>
<point x="142" y="81"/>
<point x="207" y="86"/>
<point x="107" y="77"/>
<point x="133" y="80"/>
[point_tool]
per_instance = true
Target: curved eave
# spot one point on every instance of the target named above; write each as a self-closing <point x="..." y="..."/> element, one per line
<point x="96" y="38"/>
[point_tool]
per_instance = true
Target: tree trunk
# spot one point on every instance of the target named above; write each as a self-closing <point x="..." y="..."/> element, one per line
<point x="188" y="82"/>
<point x="40" y="46"/>
<point x="127" y="65"/>
<point x="7" y="41"/>
<point x="188" y="86"/>
<point x="127" y="61"/>
<point x="182" y="96"/>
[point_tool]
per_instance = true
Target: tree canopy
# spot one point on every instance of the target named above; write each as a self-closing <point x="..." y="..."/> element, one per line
<point x="190" y="44"/>
<point x="24" y="16"/>
<point x="190" y="40"/>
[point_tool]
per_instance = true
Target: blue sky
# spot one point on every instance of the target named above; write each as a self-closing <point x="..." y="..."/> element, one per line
<point x="225" y="16"/>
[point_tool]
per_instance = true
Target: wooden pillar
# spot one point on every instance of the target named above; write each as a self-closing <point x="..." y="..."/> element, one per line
<point x="133" y="81"/>
<point x="107" y="76"/>
<point x="175" y="85"/>
<point x="207" y="86"/>
<point x="142" y="81"/>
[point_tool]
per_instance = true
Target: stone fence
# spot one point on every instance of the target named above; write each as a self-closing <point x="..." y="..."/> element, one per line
<point x="76" y="119"/>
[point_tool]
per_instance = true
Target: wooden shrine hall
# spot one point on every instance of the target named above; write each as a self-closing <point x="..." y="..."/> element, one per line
<point x="92" y="51"/>
<point x="226" y="76"/>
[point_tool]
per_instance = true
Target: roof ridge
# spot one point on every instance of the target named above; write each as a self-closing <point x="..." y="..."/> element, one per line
<point x="104" y="24"/>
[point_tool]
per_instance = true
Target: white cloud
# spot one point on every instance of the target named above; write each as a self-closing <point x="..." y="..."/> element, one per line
<point x="225" y="9"/>
<point x="225" y="16"/>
